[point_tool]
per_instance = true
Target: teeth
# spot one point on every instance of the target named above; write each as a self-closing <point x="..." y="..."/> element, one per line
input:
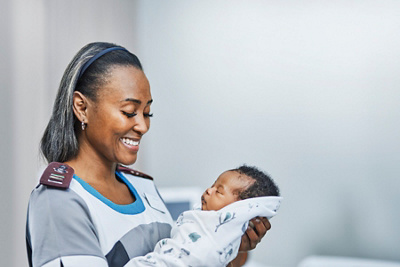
<point x="130" y="142"/>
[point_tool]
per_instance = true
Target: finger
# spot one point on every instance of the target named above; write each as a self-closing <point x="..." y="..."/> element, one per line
<point x="245" y="243"/>
<point x="260" y="228"/>
<point x="253" y="237"/>
<point x="266" y="223"/>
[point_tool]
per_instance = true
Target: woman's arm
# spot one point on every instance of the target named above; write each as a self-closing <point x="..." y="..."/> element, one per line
<point x="60" y="230"/>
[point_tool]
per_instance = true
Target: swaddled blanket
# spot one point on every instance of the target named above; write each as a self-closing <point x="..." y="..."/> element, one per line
<point x="209" y="238"/>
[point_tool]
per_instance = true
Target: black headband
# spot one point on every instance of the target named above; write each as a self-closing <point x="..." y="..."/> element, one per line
<point x="105" y="51"/>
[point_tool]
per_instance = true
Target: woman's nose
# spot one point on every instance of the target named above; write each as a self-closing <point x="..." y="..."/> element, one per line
<point x="141" y="124"/>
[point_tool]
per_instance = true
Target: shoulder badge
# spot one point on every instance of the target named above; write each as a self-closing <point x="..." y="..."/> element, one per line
<point x="57" y="175"/>
<point x="133" y="172"/>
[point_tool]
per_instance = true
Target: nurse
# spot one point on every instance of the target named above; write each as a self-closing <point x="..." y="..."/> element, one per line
<point x="90" y="210"/>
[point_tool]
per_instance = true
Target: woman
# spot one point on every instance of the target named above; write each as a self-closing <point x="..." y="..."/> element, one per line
<point x="89" y="210"/>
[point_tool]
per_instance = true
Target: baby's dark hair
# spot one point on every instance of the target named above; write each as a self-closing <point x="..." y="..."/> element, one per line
<point x="263" y="184"/>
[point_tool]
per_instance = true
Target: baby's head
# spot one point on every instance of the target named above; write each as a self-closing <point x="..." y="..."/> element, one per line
<point x="237" y="184"/>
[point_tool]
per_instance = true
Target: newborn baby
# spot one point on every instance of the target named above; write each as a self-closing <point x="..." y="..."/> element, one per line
<point x="238" y="184"/>
<point x="211" y="236"/>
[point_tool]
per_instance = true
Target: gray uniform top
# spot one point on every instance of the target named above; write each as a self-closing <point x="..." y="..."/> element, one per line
<point x="77" y="226"/>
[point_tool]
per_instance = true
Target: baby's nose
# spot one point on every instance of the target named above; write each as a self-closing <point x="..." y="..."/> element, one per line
<point x="209" y="191"/>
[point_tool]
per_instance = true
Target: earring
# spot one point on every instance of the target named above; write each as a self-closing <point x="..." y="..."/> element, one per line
<point x="83" y="126"/>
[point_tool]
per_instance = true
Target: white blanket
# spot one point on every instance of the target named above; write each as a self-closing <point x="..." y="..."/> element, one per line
<point x="209" y="238"/>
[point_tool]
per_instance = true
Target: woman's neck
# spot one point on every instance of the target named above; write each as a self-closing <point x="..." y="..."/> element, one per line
<point x="101" y="176"/>
<point x="99" y="172"/>
<point x="92" y="169"/>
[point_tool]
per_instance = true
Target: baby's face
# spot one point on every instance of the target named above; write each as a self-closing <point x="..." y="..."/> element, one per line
<point x="225" y="190"/>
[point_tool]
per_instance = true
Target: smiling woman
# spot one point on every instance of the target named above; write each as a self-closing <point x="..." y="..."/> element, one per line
<point x="116" y="120"/>
<point x="89" y="210"/>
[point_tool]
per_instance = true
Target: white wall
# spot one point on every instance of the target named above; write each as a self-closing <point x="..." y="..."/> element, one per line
<point x="6" y="152"/>
<point x="306" y="90"/>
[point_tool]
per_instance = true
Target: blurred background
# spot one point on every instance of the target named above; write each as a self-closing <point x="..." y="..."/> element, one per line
<point x="308" y="91"/>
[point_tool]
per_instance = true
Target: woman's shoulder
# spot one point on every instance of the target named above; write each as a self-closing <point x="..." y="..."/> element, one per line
<point x="54" y="187"/>
<point x="57" y="203"/>
<point x="130" y="171"/>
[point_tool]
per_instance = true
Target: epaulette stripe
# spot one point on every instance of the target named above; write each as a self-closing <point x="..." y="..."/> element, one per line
<point x="57" y="175"/>
<point x="133" y="172"/>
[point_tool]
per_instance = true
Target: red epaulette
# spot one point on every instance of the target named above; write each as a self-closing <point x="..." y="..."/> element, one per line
<point x="133" y="172"/>
<point x="57" y="175"/>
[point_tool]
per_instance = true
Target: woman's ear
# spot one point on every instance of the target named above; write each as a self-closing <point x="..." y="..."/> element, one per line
<point x="80" y="104"/>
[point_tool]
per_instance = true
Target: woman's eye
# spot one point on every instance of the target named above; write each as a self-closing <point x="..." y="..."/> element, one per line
<point x="129" y="115"/>
<point x="133" y="114"/>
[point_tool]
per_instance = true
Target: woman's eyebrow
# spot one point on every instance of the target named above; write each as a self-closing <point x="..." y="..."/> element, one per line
<point x="137" y="101"/>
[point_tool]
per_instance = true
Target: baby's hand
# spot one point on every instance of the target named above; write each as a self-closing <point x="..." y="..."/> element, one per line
<point x="256" y="230"/>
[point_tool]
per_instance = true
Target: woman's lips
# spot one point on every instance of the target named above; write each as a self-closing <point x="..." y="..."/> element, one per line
<point x="131" y="144"/>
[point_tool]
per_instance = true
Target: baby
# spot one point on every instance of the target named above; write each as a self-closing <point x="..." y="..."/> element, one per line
<point x="211" y="236"/>
<point x="238" y="184"/>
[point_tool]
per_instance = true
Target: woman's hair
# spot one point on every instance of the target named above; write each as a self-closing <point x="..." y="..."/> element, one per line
<point x="59" y="142"/>
<point x="263" y="184"/>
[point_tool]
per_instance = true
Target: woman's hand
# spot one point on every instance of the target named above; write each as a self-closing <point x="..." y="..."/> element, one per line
<point x="254" y="235"/>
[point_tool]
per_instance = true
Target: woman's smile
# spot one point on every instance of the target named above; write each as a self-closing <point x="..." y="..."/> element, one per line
<point x="131" y="144"/>
<point x="120" y="117"/>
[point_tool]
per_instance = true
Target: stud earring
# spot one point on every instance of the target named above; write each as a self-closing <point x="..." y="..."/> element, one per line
<point x="83" y="126"/>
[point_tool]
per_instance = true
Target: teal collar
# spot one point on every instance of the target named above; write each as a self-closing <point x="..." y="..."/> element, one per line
<point x="133" y="208"/>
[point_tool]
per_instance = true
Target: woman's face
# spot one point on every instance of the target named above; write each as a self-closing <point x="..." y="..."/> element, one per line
<point x="120" y="116"/>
